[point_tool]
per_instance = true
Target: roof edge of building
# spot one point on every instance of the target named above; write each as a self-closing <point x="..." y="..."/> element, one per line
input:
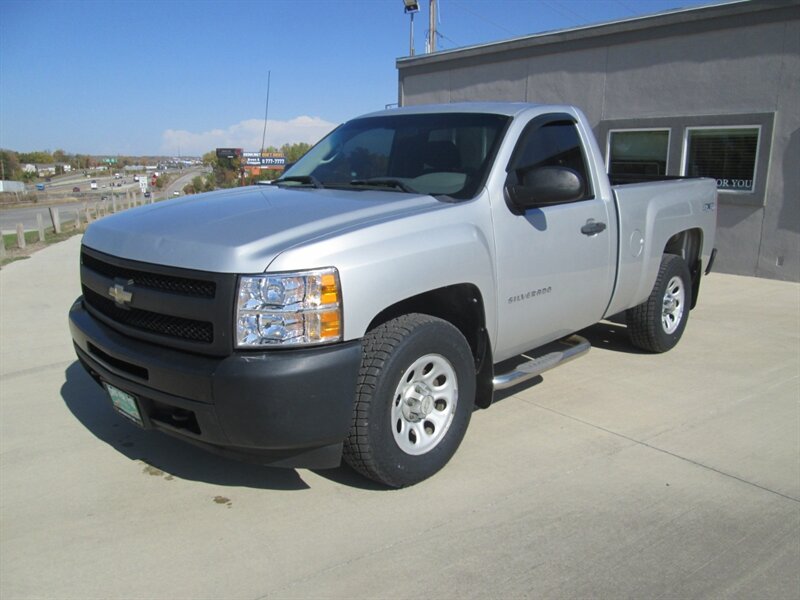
<point x="584" y="32"/>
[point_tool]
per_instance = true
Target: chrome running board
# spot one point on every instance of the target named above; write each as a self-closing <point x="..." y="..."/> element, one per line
<point x="578" y="346"/>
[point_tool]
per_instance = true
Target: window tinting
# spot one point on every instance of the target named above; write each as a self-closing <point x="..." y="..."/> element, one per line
<point x="441" y="154"/>
<point x="638" y="152"/>
<point x="727" y="155"/>
<point x="555" y="144"/>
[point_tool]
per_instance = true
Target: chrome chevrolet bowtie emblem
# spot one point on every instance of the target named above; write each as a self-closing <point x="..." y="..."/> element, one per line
<point x="120" y="295"/>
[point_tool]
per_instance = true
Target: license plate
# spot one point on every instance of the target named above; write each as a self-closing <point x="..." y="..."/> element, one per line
<point x="125" y="404"/>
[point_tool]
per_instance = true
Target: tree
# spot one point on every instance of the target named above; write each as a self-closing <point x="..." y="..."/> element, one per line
<point x="38" y="157"/>
<point x="226" y="170"/>
<point x="11" y="169"/>
<point x="293" y="152"/>
<point x="161" y="182"/>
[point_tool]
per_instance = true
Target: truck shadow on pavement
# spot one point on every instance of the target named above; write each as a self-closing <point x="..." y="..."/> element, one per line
<point x="158" y="453"/>
<point x="610" y="335"/>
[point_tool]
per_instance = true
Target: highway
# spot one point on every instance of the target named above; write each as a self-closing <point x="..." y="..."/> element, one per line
<point x="59" y="193"/>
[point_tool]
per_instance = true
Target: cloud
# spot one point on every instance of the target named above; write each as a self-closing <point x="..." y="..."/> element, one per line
<point x="246" y="135"/>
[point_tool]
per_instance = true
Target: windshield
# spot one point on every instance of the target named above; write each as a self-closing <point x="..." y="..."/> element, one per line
<point x="438" y="154"/>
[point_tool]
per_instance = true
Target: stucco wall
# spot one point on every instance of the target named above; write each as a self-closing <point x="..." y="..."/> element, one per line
<point x="732" y="65"/>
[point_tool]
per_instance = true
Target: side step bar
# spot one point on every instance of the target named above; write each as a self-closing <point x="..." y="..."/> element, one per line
<point x="578" y="346"/>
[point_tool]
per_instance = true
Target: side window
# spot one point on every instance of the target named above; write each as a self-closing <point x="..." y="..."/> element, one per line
<point x="554" y="144"/>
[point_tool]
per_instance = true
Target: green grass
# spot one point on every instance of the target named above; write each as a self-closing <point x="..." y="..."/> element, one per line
<point x="32" y="237"/>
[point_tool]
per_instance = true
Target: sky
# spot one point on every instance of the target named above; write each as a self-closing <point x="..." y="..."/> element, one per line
<point x="182" y="77"/>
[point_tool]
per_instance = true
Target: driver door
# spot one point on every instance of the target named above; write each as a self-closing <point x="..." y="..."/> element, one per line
<point x="555" y="269"/>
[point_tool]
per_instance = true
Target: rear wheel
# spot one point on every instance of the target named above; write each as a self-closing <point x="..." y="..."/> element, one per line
<point x="657" y="324"/>
<point x="414" y="400"/>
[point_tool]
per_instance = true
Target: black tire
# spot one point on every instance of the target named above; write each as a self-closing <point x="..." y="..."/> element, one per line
<point x="415" y="396"/>
<point x="657" y="324"/>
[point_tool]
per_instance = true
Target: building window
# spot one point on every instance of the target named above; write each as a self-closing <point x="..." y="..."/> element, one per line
<point x="727" y="154"/>
<point x="639" y="152"/>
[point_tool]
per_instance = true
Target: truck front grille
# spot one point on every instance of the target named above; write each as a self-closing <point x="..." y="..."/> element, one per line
<point x="167" y="283"/>
<point x="180" y="308"/>
<point x="144" y="320"/>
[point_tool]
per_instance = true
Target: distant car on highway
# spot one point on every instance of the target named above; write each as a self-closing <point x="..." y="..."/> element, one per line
<point x="76" y="189"/>
<point x="147" y="194"/>
<point x="176" y="193"/>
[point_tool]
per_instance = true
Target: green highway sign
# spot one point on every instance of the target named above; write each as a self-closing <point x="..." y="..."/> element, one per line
<point x="110" y="160"/>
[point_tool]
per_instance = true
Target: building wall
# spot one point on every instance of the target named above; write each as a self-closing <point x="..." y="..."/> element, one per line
<point x="719" y="66"/>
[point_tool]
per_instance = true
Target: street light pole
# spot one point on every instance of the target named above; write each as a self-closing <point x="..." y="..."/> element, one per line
<point x="411" y="6"/>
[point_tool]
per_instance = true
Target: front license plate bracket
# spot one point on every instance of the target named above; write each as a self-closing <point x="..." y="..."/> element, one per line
<point x="125" y="404"/>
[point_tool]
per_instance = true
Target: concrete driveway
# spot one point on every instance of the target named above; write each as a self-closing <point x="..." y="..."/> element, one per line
<point x="618" y="475"/>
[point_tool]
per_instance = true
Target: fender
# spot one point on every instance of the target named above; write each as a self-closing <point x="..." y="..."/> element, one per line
<point x="388" y="262"/>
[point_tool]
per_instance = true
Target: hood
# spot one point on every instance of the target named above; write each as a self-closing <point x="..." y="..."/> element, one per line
<point x="243" y="230"/>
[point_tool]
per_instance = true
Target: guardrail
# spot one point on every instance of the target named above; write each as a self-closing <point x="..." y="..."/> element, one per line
<point x="78" y="217"/>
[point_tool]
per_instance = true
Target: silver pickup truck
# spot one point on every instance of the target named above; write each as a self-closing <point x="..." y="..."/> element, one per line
<point x="365" y="303"/>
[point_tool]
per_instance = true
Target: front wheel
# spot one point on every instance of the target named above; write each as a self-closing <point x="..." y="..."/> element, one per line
<point x="657" y="324"/>
<point x="415" y="396"/>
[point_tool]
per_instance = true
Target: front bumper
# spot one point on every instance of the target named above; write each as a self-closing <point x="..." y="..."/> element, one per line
<point x="288" y="408"/>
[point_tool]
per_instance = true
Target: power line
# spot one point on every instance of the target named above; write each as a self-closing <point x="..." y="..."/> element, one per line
<point x="626" y="7"/>
<point x="481" y="17"/>
<point x="558" y="9"/>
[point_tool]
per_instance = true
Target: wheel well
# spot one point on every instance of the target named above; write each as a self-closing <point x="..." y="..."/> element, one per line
<point x="462" y="306"/>
<point x="688" y="245"/>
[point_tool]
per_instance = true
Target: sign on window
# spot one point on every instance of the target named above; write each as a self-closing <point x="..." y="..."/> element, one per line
<point x="727" y="155"/>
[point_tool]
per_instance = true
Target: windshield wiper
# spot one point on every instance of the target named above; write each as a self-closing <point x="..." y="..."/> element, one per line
<point x="386" y="182"/>
<point x="307" y="179"/>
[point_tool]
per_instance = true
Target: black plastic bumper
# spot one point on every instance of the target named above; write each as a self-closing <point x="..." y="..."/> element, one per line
<point x="283" y="407"/>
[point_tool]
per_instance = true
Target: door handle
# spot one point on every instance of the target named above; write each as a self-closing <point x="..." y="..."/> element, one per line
<point x="593" y="227"/>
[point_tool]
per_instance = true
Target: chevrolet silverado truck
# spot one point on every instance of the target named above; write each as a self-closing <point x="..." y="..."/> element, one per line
<point x="411" y="264"/>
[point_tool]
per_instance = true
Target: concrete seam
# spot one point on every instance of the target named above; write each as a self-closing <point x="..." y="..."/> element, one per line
<point x="663" y="451"/>
<point x="37" y="369"/>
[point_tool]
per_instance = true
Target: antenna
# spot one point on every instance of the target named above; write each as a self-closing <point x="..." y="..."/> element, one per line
<point x="266" y="112"/>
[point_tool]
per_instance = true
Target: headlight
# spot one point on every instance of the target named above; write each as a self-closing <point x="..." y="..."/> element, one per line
<point x="289" y="309"/>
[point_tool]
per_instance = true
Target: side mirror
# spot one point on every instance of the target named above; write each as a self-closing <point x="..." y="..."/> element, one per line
<point x="543" y="186"/>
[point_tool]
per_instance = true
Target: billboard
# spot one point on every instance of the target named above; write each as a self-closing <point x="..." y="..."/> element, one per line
<point x="228" y="152"/>
<point x="264" y="160"/>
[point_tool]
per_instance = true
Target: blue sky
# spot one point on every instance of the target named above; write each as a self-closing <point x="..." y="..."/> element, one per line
<point x="121" y="77"/>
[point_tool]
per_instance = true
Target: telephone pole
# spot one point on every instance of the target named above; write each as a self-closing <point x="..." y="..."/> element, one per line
<point x="432" y="27"/>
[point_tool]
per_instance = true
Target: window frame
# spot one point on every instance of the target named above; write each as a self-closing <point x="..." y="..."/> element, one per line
<point x="768" y="152"/>
<point x="637" y="130"/>
<point x="685" y="153"/>
<point x="547" y="119"/>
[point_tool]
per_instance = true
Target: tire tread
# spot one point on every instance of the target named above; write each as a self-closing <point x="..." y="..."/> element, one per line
<point x="377" y="347"/>
<point x="644" y="320"/>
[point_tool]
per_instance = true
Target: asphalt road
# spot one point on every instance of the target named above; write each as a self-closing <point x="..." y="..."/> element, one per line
<point x="9" y="217"/>
<point x="619" y="475"/>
